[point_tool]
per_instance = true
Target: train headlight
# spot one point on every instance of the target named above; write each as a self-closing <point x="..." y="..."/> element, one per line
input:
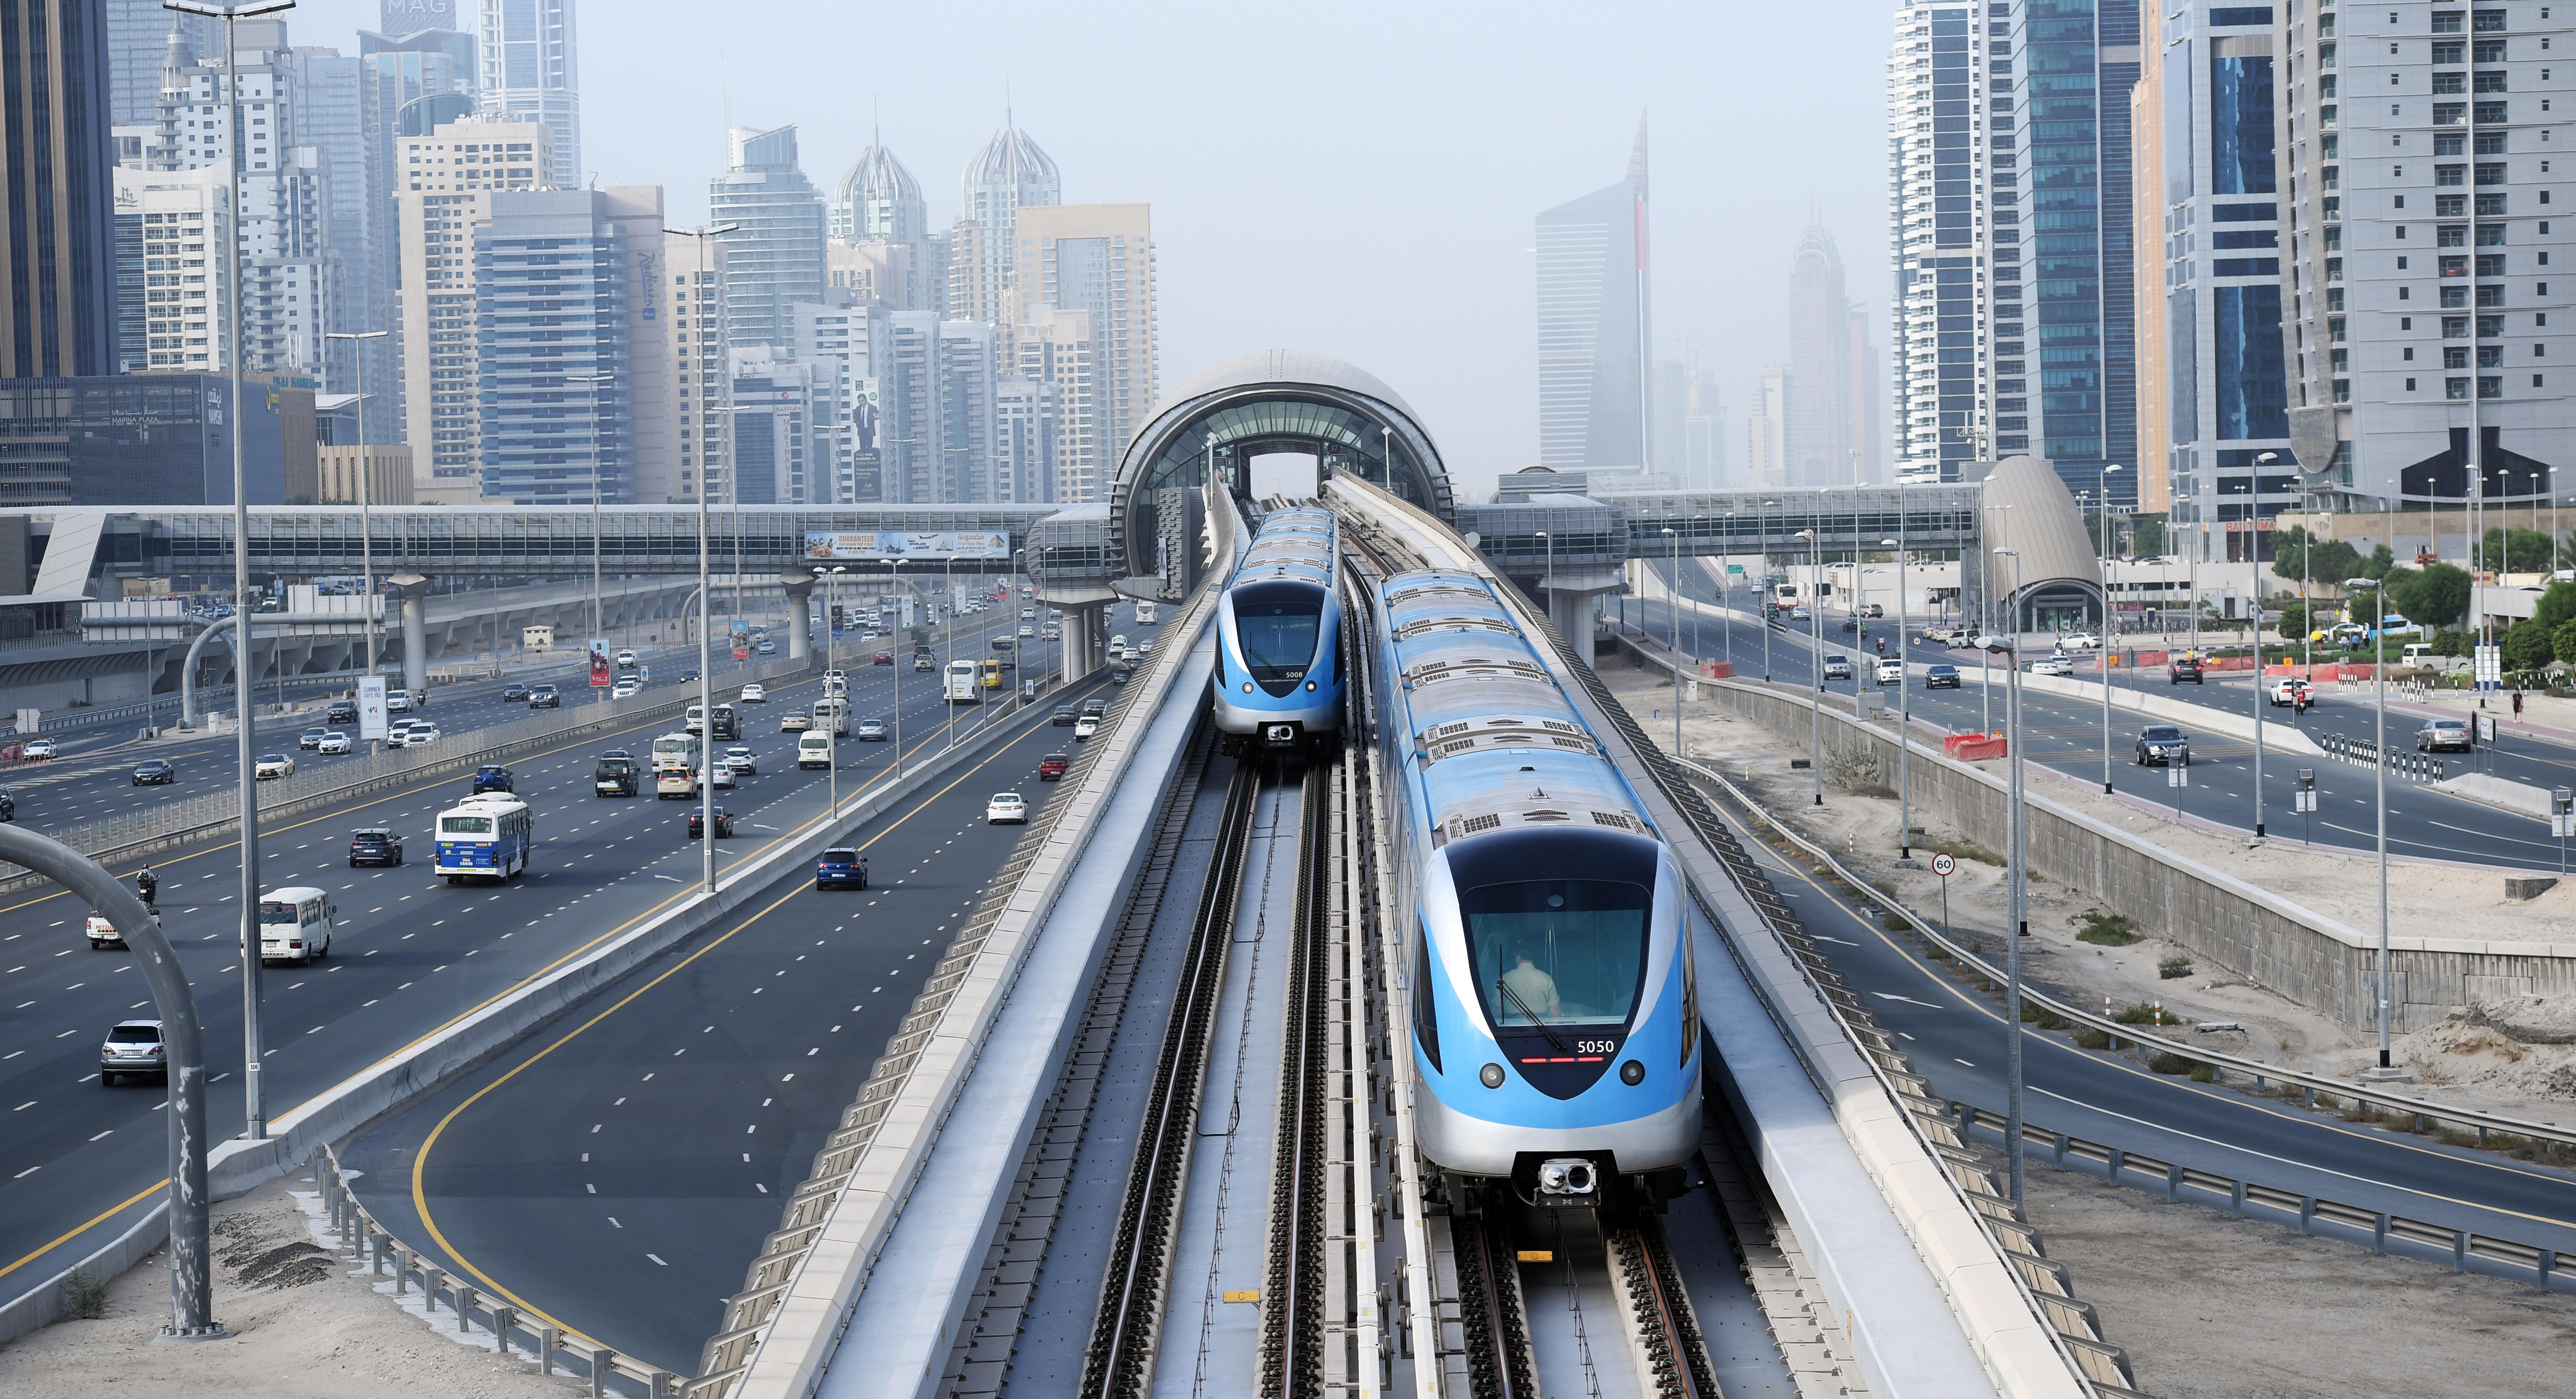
<point x="1491" y="1075"/>
<point x="1247" y="687"/>
<point x="1632" y="1073"/>
<point x="1310" y="687"/>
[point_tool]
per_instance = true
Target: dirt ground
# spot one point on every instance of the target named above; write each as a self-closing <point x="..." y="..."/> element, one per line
<point x="2209" y="1306"/>
<point x="2515" y="1059"/>
<point x="306" y="1324"/>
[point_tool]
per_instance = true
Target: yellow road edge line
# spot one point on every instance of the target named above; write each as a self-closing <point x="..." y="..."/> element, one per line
<point x="104" y="1215"/>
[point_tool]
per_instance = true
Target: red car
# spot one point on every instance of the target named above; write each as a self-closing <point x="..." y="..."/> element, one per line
<point x="883" y="658"/>
<point x="1051" y="767"/>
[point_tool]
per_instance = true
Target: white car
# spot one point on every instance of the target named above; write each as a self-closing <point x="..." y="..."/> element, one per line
<point x="755" y="693"/>
<point x="411" y="733"/>
<point x="2081" y="641"/>
<point x="2052" y="665"/>
<point x="625" y="688"/>
<point x="743" y="761"/>
<point x="626" y="660"/>
<point x="1891" y="672"/>
<point x="721" y="775"/>
<point x="397" y="702"/>
<point x="835" y="677"/>
<point x="1028" y="633"/>
<point x="37" y="748"/>
<point x="273" y="765"/>
<point x="333" y="742"/>
<point x="1006" y="807"/>
<point x="1086" y="726"/>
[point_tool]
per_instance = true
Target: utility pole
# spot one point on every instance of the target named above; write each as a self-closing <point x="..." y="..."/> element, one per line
<point x="366" y="504"/>
<point x="706" y="595"/>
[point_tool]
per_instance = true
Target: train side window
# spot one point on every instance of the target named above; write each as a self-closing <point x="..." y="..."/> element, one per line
<point x="1426" y="1010"/>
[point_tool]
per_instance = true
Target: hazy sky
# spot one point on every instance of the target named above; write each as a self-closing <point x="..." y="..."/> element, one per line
<point x="1353" y="179"/>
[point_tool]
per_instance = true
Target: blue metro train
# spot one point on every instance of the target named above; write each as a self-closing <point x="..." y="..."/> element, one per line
<point x="1279" y="635"/>
<point x="1555" y="1006"/>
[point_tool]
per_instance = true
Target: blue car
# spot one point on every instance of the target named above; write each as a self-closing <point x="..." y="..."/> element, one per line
<point x="841" y="869"/>
<point x="492" y="777"/>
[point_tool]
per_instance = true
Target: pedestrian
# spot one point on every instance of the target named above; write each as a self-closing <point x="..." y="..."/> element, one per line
<point x="2517" y="703"/>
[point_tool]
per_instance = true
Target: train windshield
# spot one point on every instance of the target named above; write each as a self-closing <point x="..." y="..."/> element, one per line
<point x="1567" y="947"/>
<point x="1277" y="623"/>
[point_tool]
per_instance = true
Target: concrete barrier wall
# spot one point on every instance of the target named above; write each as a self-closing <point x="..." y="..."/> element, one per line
<point x="2255" y="934"/>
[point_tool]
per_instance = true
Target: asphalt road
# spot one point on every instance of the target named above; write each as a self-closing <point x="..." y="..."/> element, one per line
<point x="2066" y="735"/>
<point x="1955" y="1035"/>
<point x="617" y="1175"/>
<point x="81" y="1161"/>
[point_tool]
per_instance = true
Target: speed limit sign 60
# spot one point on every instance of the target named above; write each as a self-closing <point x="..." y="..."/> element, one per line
<point x="1942" y="864"/>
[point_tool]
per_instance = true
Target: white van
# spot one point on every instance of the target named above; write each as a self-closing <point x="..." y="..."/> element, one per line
<point x="832" y="715"/>
<point x="2418" y="653"/>
<point x="295" y="924"/>
<point x="813" y="750"/>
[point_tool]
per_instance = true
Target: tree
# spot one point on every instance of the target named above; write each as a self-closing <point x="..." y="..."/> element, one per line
<point x="2437" y="596"/>
<point x="2328" y="561"/>
<point x="2294" y="621"/>
<point x="2555" y="607"/>
<point x="2528" y="647"/>
<point x="2515" y="551"/>
<point x="2147" y="535"/>
<point x="2379" y="562"/>
<point x="2563" y="641"/>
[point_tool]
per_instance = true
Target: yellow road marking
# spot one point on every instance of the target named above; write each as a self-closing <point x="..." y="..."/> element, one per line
<point x="104" y="1215"/>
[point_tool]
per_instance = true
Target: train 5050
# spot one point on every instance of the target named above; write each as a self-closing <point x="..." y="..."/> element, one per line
<point x="1279" y="635"/>
<point x="1555" y="1008"/>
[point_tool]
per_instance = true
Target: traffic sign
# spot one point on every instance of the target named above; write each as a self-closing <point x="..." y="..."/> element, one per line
<point x="1943" y="864"/>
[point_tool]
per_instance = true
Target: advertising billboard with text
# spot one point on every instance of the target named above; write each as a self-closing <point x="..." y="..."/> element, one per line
<point x="902" y="544"/>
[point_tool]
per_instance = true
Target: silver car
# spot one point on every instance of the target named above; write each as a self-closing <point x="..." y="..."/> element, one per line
<point x="132" y="1047"/>
<point x="2444" y="736"/>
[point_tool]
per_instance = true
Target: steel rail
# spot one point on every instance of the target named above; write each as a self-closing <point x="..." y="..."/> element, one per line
<point x="1671" y="1353"/>
<point x="1292" y="1326"/>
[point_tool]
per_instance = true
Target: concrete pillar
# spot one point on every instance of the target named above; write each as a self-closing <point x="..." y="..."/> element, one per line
<point x="1570" y="606"/>
<point x="799" y="586"/>
<point x="413" y="591"/>
<point x="1085" y="639"/>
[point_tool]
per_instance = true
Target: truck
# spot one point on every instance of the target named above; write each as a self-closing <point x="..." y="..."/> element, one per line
<point x="1145" y="614"/>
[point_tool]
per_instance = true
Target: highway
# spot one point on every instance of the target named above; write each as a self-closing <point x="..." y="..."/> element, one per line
<point x="410" y="954"/>
<point x="2065" y="735"/>
<point x="1955" y="1036"/>
<point x="616" y="1173"/>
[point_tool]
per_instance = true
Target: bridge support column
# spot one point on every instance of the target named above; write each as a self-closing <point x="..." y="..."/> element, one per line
<point x="1085" y="639"/>
<point x="413" y="590"/>
<point x="1570" y="596"/>
<point x="799" y="587"/>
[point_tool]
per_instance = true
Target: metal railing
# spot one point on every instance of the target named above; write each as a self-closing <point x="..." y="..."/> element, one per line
<point x="2425" y="1115"/>
<point x="208" y="816"/>
<point x="2246" y="1199"/>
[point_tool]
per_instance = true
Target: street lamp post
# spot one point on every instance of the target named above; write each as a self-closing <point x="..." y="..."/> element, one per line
<point x="2254" y="629"/>
<point x="706" y="648"/>
<point x="1763" y="613"/>
<point x="2102" y="651"/>
<point x="2017" y="918"/>
<point x="1676" y="551"/>
<point x="1904" y="705"/>
<point x="254" y="1100"/>
<point x="2379" y="678"/>
<point x="1547" y="581"/>
<point x="598" y="693"/>
<point x="894" y="573"/>
<point x="366" y="501"/>
<point x="1816" y="663"/>
<point x="1726" y="595"/>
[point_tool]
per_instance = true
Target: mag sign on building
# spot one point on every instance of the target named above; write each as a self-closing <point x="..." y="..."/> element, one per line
<point x="933" y="547"/>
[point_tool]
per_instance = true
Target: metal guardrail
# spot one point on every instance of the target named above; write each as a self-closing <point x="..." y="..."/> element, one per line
<point x="2247" y="1199"/>
<point x="2425" y="1114"/>
<point x="204" y="817"/>
<point x="376" y="1247"/>
<point x="2363" y="752"/>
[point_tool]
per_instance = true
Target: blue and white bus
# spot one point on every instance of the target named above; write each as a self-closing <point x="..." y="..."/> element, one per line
<point x="491" y="836"/>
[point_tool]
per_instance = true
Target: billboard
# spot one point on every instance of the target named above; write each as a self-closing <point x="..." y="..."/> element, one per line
<point x="371" y="706"/>
<point x="741" y="639"/>
<point x="601" y="674"/>
<point x="934" y="546"/>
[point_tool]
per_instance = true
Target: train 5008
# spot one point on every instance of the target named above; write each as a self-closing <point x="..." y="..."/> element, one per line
<point x="1279" y="635"/>
<point x="1555" y="1007"/>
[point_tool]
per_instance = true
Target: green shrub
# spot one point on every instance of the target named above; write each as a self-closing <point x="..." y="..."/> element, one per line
<point x="2042" y="1016"/>
<point x="1937" y="953"/>
<point x="84" y="1295"/>
<point x="2204" y="1073"/>
<point x="2165" y="1063"/>
<point x="2092" y="1039"/>
<point x="2147" y="1015"/>
<point x="2108" y="929"/>
<point x="2174" y="968"/>
<point x="1894" y="922"/>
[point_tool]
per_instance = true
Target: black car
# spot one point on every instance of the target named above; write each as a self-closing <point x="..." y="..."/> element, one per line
<point x="2184" y="668"/>
<point x="155" y="772"/>
<point x="1941" y="677"/>
<point x="374" y="845"/>
<point x="1063" y="718"/>
<point x="616" y="774"/>
<point x="341" y="712"/>
<point x="841" y="868"/>
<point x="1095" y="708"/>
<point x="698" y="830"/>
<point x="545" y="697"/>
<point x="1851" y="624"/>
<point x="514" y="692"/>
<point x="2164" y="746"/>
<point x="492" y="777"/>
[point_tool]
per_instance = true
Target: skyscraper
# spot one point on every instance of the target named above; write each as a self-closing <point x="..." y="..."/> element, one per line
<point x="1944" y="237"/>
<point x="58" y="263"/>
<point x="412" y="83"/>
<point x="2418" y="287"/>
<point x="136" y="30"/>
<point x="531" y="73"/>
<point x="774" y="257"/>
<point x="1057" y="348"/>
<point x="877" y="212"/>
<point x="1592" y="325"/>
<point x="398" y="18"/>
<point x="554" y="302"/>
<point x="1097" y="259"/>
<point x="1822" y="439"/>
<point x="1009" y="173"/>
<point x="180" y="219"/>
<point x="1766" y="431"/>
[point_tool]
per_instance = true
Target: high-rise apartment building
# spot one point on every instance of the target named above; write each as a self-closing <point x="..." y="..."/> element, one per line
<point x="879" y="272"/>
<point x="908" y="410"/>
<point x="1766" y="431"/>
<point x="531" y="72"/>
<point x="970" y="370"/>
<point x="171" y="320"/>
<point x="567" y="358"/>
<point x="782" y="452"/>
<point x="1703" y="429"/>
<point x="1097" y="259"/>
<point x="2212" y="389"/>
<point x="693" y="308"/>
<point x="1592" y="325"/>
<point x="1952" y="249"/>
<point x="1057" y="347"/>
<point x="1823" y="443"/>
<point x="1010" y="173"/>
<point x="58" y="260"/>
<point x="880" y="232"/>
<point x="774" y="256"/>
<point x="2418" y="274"/>
<point x="842" y="338"/>
<point x="1025" y="439"/>
<point x="136" y="33"/>
<point x="445" y="182"/>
